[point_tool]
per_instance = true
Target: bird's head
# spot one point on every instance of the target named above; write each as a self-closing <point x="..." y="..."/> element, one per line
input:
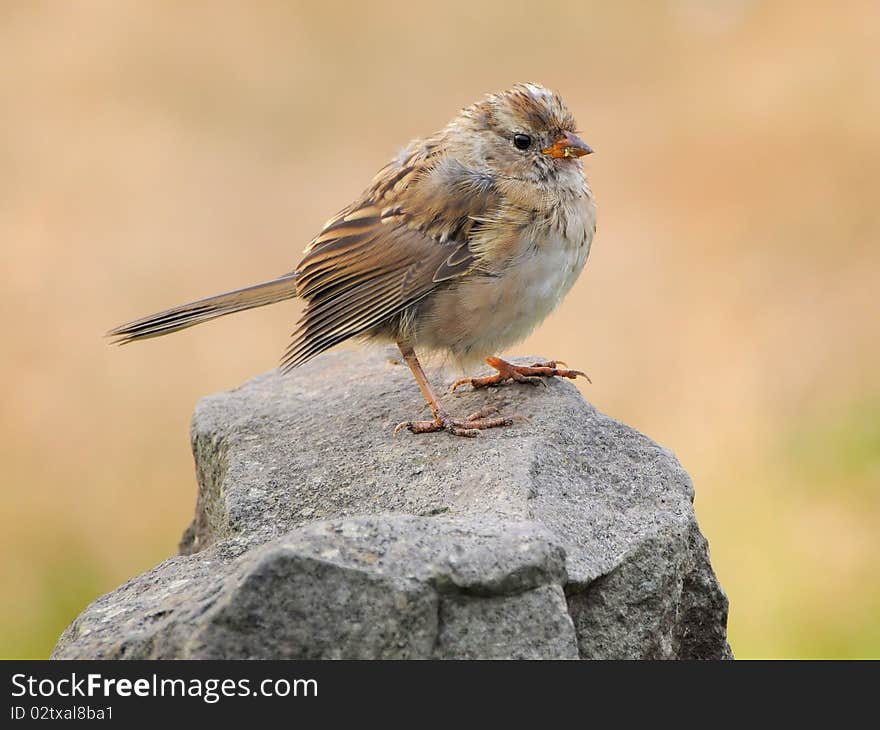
<point x="526" y="133"/>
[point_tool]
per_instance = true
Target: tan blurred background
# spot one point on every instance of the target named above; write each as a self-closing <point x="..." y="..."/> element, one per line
<point x="155" y="152"/>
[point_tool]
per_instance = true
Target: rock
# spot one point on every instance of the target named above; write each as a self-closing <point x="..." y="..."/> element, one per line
<point x="318" y="534"/>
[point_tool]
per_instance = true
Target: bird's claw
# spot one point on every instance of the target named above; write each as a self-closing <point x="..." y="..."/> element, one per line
<point x="468" y="427"/>
<point x="532" y="374"/>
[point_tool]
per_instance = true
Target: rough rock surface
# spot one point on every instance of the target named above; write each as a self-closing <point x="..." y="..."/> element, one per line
<point x="318" y="534"/>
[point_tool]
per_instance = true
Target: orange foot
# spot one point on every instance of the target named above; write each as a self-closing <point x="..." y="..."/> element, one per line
<point x="470" y="426"/>
<point x="520" y="373"/>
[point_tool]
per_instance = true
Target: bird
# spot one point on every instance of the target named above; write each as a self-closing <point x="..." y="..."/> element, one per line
<point x="461" y="245"/>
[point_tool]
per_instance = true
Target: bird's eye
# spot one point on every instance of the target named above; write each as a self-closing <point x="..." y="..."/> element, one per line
<point x="522" y="141"/>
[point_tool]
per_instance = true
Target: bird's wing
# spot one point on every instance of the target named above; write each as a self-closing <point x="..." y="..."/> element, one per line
<point x="373" y="268"/>
<point x="407" y="235"/>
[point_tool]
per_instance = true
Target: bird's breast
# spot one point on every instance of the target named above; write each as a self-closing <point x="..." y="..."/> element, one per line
<point x="481" y="315"/>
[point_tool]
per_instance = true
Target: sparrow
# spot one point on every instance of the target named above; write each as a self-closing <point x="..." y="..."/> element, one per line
<point x="462" y="245"/>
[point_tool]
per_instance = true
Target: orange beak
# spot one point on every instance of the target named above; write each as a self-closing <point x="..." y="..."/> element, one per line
<point x="568" y="145"/>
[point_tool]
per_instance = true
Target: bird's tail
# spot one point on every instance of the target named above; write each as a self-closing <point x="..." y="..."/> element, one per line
<point x="187" y="315"/>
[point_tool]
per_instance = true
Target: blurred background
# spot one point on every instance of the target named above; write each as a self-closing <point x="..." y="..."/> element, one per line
<point x="153" y="153"/>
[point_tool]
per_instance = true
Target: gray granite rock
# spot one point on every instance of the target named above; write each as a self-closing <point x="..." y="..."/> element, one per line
<point x="318" y="534"/>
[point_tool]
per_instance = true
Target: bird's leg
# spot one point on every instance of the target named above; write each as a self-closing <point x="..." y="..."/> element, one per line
<point x="520" y="373"/>
<point x="470" y="426"/>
